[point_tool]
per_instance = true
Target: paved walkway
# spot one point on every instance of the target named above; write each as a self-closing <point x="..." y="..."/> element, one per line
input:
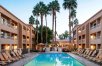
<point x="23" y="61"/>
<point x="83" y="60"/>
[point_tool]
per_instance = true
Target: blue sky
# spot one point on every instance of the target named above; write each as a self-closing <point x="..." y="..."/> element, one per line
<point x="23" y="9"/>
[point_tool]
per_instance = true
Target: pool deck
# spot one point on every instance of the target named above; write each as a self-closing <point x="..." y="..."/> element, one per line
<point x="21" y="62"/>
<point x="30" y="56"/>
<point x="83" y="60"/>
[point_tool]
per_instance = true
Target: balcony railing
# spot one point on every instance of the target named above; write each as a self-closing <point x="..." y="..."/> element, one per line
<point x="7" y="24"/>
<point x="79" y="41"/>
<point x="95" y="26"/>
<point x="95" y="41"/>
<point x="83" y="40"/>
<point x="24" y="40"/>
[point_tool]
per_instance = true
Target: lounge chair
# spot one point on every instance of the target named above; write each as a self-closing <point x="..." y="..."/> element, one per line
<point x="98" y="56"/>
<point x="6" y="57"/>
<point x="19" y="51"/>
<point x="9" y="55"/>
<point x="94" y="54"/>
<point x="14" y="55"/>
<point x="81" y="51"/>
<point x="2" y="60"/>
<point x="90" y="53"/>
<point x="87" y="53"/>
<point x="2" y="63"/>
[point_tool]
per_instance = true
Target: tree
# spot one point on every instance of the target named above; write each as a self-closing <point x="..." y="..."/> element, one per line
<point x="53" y="8"/>
<point x="31" y="20"/>
<point x="76" y="22"/>
<point x="39" y="10"/>
<point x="46" y="12"/>
<point x="61" y="37"/>
<point x="70" y="4"/>
<point x="49" y="31"/>
<point x="36" y="13"/>
<point x="73" y="16"/>
<point x="64" y="35"/>
<point x="37" y="23"/>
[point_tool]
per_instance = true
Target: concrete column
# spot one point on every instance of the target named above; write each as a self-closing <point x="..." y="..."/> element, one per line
<point x="101" y="31"/>
<point x="10" y="46"/>
<point x="0" y="33"/>
<point x="0" y="17"/>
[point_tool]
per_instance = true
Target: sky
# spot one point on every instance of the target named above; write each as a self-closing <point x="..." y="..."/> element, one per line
<point x="23" y="10"/>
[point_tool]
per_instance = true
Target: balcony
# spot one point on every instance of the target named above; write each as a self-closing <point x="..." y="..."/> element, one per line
<point x="8" y="41"/>
<point x="79" y="42"/>
<point x="83" y="31"/>
<point x="95" y="41"/>
<point x="24" y="32"/>
<point x="8" y="28"/>
<point x="24" y="41"/>
<point x="95" y="28"/>
<point x="83" y="41"/>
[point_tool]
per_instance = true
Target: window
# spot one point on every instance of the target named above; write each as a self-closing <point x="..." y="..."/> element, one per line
<point x="1" y="20"/>
<point x="79" y="37"/>
<point x="5" y="34"/>
<point x="98" y="21"/>
<point x="2" y="34"/>
<point x="83" y="36"/>
<point x="98" y="34"/>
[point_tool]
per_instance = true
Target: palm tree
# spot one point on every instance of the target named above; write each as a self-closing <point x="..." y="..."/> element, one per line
<point x="76" y="22"/>
<point x="46" y="12"/>
<point x="70" y="4"/>
<point x="53" y="8"/>
<point x="73" y="16"/>
<point x="36" y="13"/>
<point x="39" y="9"/>
<point x="31" y="20"/>
<point x="37" y="23"/>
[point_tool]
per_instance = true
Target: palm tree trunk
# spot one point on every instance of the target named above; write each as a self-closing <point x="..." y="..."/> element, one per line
<point x="37" y="31"/>
<point x="69" y="26"/>
<point x="53" y="26"/>
<point x="46" y="29"/>
<point x="41" y="28"/>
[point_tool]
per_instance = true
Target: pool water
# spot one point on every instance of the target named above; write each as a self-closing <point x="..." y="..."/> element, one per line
<point x="54" y="59"/>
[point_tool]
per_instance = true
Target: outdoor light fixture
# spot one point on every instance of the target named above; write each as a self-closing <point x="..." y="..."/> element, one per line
<point x="92" y="37"/>
<point x="15" y="47"/>
<point x="15" y="37"/>
<point x="27" y="39"/>
<point x="93" y="47"/>
<point x="80" y="46"/>
<point x="7" y="47"/>
<point x="27" y="46"/>
<point x="79" y="31"/>
<point x="15" y="26"/>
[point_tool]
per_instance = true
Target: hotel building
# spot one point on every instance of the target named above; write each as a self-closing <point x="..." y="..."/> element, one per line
<point x="89" y="34"/>
<point x="14" y="33"/>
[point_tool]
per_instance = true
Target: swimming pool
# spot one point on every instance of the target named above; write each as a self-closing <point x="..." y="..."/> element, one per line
<point x="54" y="59"/>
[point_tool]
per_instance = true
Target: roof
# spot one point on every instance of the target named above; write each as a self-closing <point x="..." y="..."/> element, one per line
<point x="12" y="14"/>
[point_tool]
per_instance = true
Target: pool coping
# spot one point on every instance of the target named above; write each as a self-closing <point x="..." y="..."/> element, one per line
<point x="83" y="60"/>
<point x="55" y="52"/>
<point x="32" y="58"/>
<point x="77" y="59"/>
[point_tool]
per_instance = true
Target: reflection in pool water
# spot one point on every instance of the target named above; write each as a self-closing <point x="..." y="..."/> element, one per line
<point x="54" y="59"/>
